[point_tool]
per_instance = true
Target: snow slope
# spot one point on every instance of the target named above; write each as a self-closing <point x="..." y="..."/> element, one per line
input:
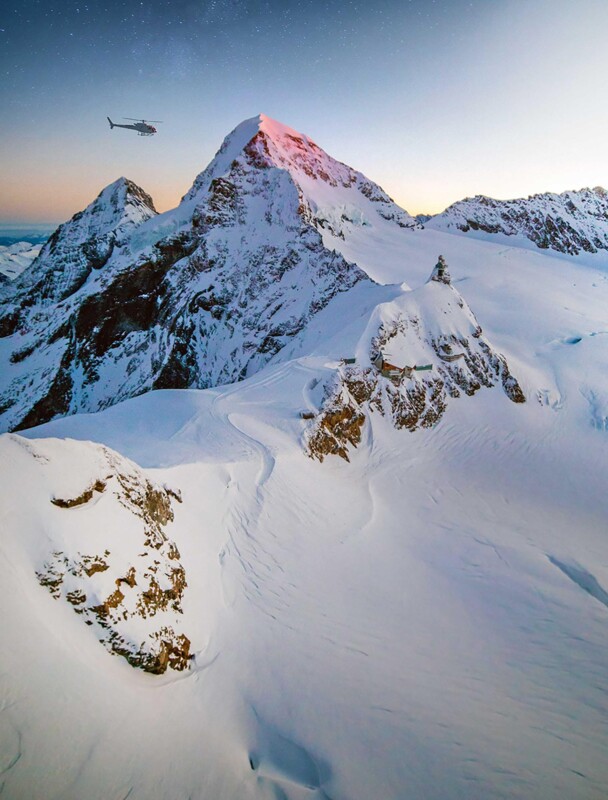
<point x="426" y="621"/>
<point x="414" y="623"/>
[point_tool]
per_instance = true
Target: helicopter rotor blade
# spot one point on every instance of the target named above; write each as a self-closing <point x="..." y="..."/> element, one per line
<point x="139" y="119"/>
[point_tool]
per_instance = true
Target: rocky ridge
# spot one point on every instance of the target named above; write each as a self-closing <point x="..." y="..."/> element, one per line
<point x="571" y="222"/>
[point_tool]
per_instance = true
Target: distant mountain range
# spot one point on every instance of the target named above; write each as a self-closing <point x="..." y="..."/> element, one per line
<point x="15" y="257"/>
<point x="571" y="222"/>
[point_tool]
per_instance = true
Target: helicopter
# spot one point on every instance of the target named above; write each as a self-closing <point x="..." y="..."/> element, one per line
<point x="142" y="126"/>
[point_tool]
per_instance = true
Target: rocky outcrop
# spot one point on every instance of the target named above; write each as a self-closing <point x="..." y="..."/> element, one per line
<point x="419" y="353"/>
<point x="127" y="589"/>
<point x="572" y="222"/>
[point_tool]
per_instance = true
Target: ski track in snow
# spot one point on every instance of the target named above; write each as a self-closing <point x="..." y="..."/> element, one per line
<point x="582" y="578"/>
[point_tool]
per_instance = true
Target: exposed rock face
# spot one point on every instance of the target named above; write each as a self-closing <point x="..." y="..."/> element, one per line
<point x="571" y="222"/>
<point x="126" y="584"/>
<point x="209" y="304"/>
<point x="419" y="352"/>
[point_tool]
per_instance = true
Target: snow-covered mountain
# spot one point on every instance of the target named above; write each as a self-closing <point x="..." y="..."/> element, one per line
<point x="333" y="196"/>
<point x="112" y="307"/>
<point x="373" y="566"/>
<point x="571" y="222"/>
<point x="15" y="258"/>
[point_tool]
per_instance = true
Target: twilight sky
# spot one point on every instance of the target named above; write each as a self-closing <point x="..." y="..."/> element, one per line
<point x="435" y="100"/>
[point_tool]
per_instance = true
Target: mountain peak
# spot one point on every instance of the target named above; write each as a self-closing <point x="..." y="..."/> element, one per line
<point x="262" y="123"/>
<point x="279" y="132"/>
<point x="120" y="193"/>
<point x="335" y="198"/>
<point x="87" y="240"/>
<point x="287" y="148"/>
<point x="262" y="142"/>
<point x="272" y="231"/>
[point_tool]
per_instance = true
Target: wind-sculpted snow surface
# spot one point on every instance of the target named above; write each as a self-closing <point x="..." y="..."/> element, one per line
<point x="418" y="352"/>
<point x="426" y="621"/>
<point x="571" y="222"/>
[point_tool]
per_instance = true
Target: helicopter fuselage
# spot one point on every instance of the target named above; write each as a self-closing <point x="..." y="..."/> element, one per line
<point x="142" y="128"/>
